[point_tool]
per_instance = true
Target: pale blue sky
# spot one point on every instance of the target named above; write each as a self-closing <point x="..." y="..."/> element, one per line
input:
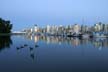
<point x="26" y="13"/>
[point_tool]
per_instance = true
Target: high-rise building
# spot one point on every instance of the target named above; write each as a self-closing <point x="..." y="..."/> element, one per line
<point x="76" y="28"/>
<point x="31" y="30"/>
<point x="36" y="29"/>
<point x="98" y="27"/>
<point x="48" y="29"/>
<point x="84" y="29"/>
<point x="106" y="28"/>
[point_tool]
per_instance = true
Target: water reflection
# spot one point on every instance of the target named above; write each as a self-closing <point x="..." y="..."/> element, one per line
<point x="34" y="44"/>
<point x="32" y="50"/>
<point x="54" y="53"/>
<point x="96" y="42"/>
<point x="101" y="42"/>
<point x="5" y="42"/>
<point x="34" y="38"/>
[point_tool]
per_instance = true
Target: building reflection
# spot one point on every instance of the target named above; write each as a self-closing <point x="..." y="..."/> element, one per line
<point x="70" y="40"/>
<point x="5" y="42"/>
<point x="100" y="42"/>
<point x="96" y="42"/>
<point x="34" y="38"/>
<point x="32" y="48"/>
<point x="75" y="41"/>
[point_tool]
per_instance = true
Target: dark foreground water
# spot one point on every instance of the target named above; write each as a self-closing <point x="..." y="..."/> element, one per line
<point x="53" y="54"/>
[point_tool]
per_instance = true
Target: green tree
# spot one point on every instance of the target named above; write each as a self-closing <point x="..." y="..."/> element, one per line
<point x="5" y="26"/>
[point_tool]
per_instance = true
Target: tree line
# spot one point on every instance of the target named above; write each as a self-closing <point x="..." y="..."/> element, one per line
<point x="5" y="26"/>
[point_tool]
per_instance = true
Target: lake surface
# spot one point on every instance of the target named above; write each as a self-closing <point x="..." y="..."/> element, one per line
<point x="21" y="53"/>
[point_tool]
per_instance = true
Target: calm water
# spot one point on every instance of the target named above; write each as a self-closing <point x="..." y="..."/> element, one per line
<point x="52" y="54"/>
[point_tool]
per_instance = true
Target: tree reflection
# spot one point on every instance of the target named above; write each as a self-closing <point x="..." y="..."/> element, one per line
<point x="5" y="42"/>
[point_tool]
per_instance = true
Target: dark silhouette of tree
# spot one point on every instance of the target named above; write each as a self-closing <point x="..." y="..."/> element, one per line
<point x="5" y="26"/>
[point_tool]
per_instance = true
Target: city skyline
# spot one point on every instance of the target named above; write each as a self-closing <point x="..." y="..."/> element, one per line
<point x="24" y="14"/>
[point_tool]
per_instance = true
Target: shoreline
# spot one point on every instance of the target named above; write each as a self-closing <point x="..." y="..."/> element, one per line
<point x="9" y="34"/>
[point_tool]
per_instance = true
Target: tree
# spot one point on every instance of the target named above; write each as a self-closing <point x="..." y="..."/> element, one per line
<point x="5" y="26"/>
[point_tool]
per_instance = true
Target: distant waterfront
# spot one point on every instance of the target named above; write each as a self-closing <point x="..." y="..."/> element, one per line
<point x="76" y="30"/>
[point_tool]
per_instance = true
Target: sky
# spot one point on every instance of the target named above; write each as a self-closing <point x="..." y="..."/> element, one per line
<point x="27" y="13"/>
